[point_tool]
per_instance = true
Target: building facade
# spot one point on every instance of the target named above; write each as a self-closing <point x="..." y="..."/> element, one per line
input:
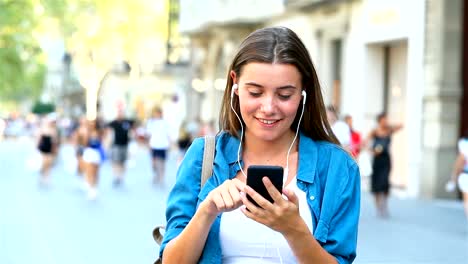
<point x="401" y="57"/>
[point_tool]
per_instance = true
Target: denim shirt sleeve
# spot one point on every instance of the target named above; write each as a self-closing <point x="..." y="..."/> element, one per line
<point x="344" y="202"/>
<point x="182" y="200"/>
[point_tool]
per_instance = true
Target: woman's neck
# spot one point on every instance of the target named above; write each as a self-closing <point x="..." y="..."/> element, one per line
<point x="268" y="150"/>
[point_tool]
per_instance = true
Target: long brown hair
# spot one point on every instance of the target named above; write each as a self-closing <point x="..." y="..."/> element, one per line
<point x="279" y="45"/>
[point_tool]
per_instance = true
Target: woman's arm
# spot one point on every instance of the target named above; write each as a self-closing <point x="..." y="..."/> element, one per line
<point x="366" y="143"/>
<point x="458" y="166"/>
<point x="188" y="246"/>
<point x="188" y="226"/>
<point x="313" y="253"/>
<point x="395" y="128"/>
<point x="191" y="241"/>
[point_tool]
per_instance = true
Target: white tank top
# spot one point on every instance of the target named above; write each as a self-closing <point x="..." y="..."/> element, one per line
<point x="245" y="241"/>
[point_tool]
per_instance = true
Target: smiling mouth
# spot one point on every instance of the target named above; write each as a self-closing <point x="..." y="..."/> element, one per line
<point x="267" y="122"/>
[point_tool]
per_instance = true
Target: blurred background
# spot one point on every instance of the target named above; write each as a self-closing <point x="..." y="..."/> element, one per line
<point x="62" y="61"/>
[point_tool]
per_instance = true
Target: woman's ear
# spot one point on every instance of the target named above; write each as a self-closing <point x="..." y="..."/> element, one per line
<point x="233" y="76"/>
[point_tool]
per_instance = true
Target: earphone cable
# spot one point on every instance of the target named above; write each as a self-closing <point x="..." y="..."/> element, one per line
<point x="286" y="172"/>
<point x="241" y="137"/>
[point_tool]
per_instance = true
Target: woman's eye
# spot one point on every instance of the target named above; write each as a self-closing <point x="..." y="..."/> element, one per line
<point x="254" y="94"/>
<point x="284" y="97"/>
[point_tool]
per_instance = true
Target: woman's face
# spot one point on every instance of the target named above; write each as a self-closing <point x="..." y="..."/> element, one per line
<point x="269" y="97"/>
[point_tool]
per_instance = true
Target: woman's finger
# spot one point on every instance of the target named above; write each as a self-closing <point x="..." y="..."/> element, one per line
<point x="228" y="202"/>
<point x="234" y="192"/>
<point x="272" y="190"/>
<point x="261" y="202"/>
<point x="292" y="197"/>
<point x="219" y="202"/>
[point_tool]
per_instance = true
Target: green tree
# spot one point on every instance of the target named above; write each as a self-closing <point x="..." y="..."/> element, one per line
<point x="96" y="32"/>
<point x="21" y="68"/>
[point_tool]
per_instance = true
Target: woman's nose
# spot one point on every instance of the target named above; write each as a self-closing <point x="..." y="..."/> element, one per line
<point x="268" y="104"/>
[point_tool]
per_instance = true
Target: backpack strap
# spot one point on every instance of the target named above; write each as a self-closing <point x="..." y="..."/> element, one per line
<point x="208" y="158"/>
<point x="207" y="171"/>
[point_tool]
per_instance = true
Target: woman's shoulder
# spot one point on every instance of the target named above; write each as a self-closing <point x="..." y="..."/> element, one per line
<point x="197" y="144"/>
<point x="221" y="139"/>
<point x="334" y="152"/>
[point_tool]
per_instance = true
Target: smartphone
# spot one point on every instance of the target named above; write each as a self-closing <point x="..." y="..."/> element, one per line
<point x="255" y="173"/>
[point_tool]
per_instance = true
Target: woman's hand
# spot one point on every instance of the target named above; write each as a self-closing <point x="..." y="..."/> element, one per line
<point x="226" y="197"/>
<point x="281" y="216"/>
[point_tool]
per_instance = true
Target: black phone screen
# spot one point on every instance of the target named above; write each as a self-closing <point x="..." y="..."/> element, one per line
<point x="255" y="173"/>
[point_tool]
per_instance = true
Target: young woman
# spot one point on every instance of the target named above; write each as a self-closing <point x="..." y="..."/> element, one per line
<point x="460" y="170"/>
<point x="159" y="143"/>
<point x="93" y="156"/>
<point x="272" y="114"/>
<point x="46" y="145"/>
<point x="380" y="138"/>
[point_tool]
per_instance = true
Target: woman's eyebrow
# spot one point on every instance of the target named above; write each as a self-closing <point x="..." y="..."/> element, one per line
<point x="253" y="84"/>
<point x="288" y="86"/>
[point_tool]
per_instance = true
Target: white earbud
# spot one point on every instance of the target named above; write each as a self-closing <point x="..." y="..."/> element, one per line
<point x="304" y="95"/>
<point x="234" y="88"/>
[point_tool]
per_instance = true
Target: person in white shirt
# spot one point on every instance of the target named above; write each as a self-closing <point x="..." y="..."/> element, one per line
<point x="460" y="171"/>
<point x="339" y="128"/>
<point x="159" y="142"/>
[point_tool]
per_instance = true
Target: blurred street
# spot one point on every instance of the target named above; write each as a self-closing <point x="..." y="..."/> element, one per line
<point x="59" y="225"/>
<point x="418" y="232"/>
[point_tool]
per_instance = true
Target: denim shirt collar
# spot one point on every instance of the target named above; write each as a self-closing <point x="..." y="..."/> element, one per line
<point x="307" y="159"/>
<point x="307" y="155"/>
<point x="231" y="147"/>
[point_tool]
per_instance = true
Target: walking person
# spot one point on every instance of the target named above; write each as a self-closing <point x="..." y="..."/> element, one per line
<point x="355" y="141"/>
<point x="340" y="129"/>
<point x="380" y="139"/>
<point x="93" y="156"/>
<point x="460" y="171"/>
<point x="80" y="139"/>
<point x="272" y="113"/>
<point x="159" y="143"/>
<point x="47" y="147"/>
<point x="121" y="129"/>
<point x="183" y="142"/>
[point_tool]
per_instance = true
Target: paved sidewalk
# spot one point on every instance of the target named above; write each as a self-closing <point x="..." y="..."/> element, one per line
<point x="417" y="232"/>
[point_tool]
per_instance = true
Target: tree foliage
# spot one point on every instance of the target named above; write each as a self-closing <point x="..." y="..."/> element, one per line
<point x="98" y="33"/>
<point x="21" y="67"/>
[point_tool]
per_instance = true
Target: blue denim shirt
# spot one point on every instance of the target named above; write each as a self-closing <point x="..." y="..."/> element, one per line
<point x="326" y="173"/>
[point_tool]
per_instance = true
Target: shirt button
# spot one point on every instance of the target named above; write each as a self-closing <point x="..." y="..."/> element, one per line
<point x="312" y="197"/>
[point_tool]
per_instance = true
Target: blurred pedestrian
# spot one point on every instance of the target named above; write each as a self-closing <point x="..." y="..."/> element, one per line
<point x="355" y="142"/>
<point x="208" y="128"/>
<point x="184" y="141"/>
<point x="47" y="145"/>
<point x="80" y="140"/>
<point x="159" y="143"/>
<point x="93" y="156"/>
<point x="380" y="139"/>
<point x="339" y="128"/>
<point x="460" y="171"/>
<point x="194" y="127"/>
<point x="120" y="129"/>
<point x="140" y="133"/>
